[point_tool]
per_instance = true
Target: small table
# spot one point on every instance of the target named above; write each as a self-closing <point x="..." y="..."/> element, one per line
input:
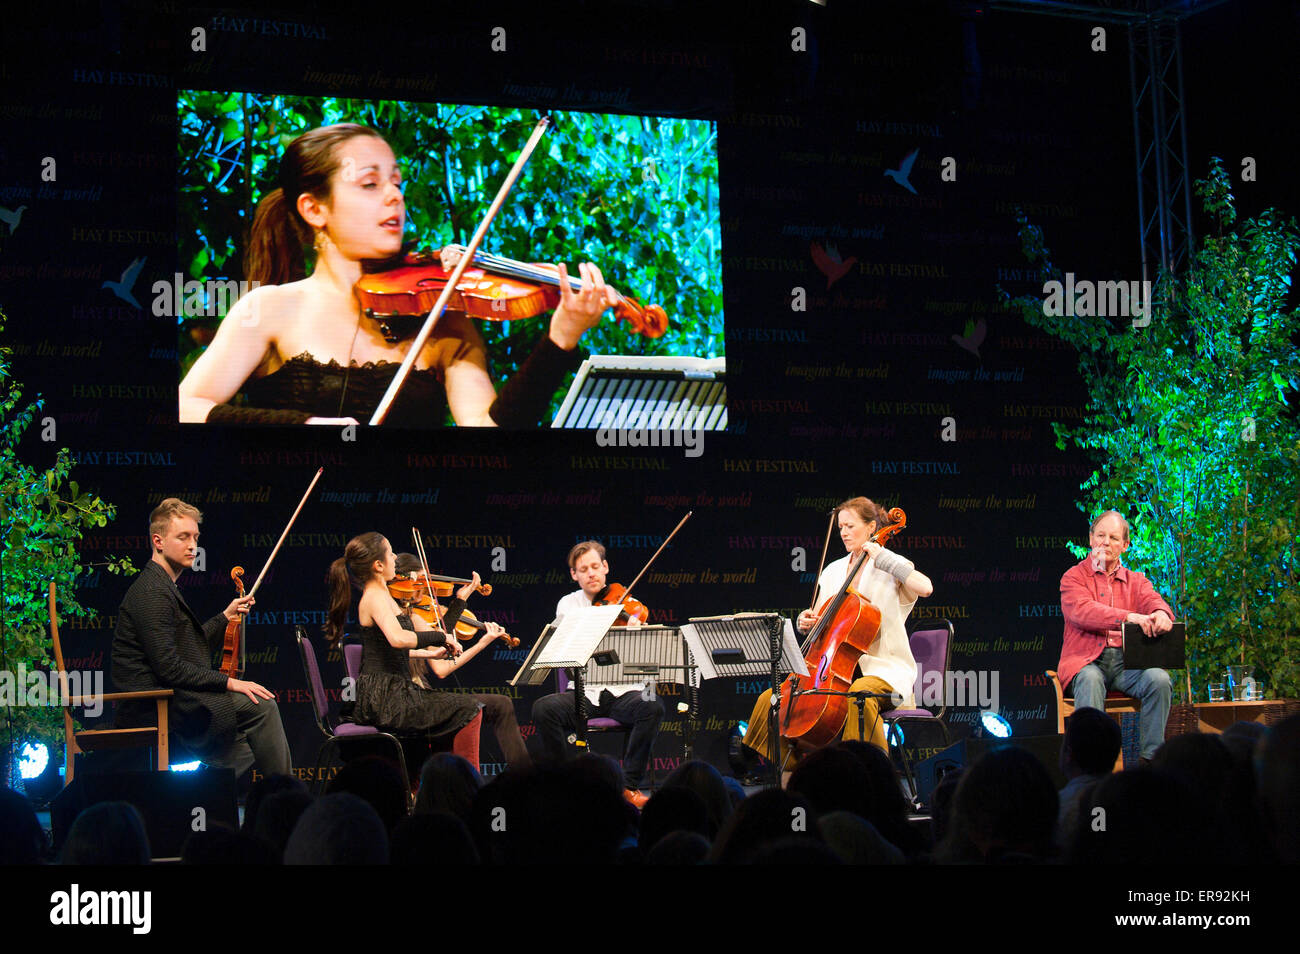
<point x="1217" y="716"/>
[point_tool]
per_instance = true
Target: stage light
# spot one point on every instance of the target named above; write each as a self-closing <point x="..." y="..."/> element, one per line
<point x="995" y="725"/>
<point x="186" y="766"/>
<point x="33" y="758"/>
<point x="896" y="736"/>
<point x="37" y="772"/>
<point x="744" y="728"/>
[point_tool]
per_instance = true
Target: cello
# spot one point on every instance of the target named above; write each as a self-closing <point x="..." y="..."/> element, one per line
<point x="815" y="707"/>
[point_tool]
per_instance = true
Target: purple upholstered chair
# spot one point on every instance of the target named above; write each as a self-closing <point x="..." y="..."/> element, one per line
<point x="339" y="734"/>
<point x="602" y="724"/>
<point x="932" y="650"/>
<point x="464" y="743"/>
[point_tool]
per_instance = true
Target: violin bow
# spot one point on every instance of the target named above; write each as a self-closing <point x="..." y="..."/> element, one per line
<point x="428" y="583"/>
<point x="628" y="591"/>
<point x="453" y="281"/>
<point x="242" y="664"/>
<point x="288" y="527"/>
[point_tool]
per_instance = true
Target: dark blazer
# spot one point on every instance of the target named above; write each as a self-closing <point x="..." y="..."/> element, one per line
<point x="160" y="644"/>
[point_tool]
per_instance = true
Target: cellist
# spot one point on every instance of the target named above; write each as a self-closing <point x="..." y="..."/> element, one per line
<point x="893" y="584"/>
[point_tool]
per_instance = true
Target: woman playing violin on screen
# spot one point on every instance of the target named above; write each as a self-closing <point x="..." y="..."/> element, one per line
<point x="298" y="346"/>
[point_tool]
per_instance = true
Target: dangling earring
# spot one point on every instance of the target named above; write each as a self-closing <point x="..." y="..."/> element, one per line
<point x="322" y="240"/>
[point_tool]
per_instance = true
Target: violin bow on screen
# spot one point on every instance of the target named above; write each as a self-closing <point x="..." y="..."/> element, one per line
<point x="453" y="281"/>
<point x="232" y="666"/>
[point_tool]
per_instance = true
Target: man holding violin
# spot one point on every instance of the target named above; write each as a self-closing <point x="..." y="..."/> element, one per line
<point x="160" y="644"/>
<point x="556" y="715"/>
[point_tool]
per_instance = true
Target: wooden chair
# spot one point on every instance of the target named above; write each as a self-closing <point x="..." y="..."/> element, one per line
<point x="88" y="740"/>
<point x="1117" y="703"/>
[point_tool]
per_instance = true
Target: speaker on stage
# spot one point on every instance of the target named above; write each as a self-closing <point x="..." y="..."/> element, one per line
<point x="1046" y="748"/>
<point x="173" y="804"/>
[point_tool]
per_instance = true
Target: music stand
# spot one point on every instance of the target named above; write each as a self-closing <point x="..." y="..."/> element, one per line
<point x="747" y="644"/>
<point x="635" y="655"/>
<point x="569" y="645"/>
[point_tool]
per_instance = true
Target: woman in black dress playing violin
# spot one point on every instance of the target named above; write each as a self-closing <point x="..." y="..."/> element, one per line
<point x="298" y="347"/>
<point x="386" y="694"/>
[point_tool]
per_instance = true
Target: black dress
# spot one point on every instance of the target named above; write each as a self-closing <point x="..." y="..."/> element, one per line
<point x="303" y="387"/>
<point x="388" y="699"/>
<point x="306" y="386"/>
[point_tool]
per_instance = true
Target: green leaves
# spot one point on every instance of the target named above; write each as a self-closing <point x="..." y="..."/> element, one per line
<point x="1186" y="425"/>
<point x="585" y="196"/>
<point x="43" y="521"/>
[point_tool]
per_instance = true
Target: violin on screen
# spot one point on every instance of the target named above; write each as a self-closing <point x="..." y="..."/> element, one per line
<point x="493" y="288"/>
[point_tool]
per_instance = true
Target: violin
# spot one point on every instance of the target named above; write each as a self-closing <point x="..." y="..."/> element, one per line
<point x="412" y="595"/>
<point x="431" y="586"/>
<point x="497" y="289"/>
<point x="815" y="707"/>
<point x="232" y="654"/>
<point x="232" y="660"/>
<point x="405" y="588"/>
<point x="612" y="593"/>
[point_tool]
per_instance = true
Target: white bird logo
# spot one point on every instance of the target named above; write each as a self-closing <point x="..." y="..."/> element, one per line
<point x="122" y="287"/>
<point x="904" y="170"/>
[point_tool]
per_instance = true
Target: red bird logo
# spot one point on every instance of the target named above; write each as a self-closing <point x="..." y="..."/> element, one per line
<point x="830" y="264"/>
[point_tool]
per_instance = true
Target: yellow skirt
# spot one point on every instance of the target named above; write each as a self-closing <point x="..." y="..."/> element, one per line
<point x="758" y="737"/>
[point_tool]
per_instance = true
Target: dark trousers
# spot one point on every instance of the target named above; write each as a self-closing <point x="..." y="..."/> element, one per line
<point x="557" y="719"/>
<point x="259" y="740"/>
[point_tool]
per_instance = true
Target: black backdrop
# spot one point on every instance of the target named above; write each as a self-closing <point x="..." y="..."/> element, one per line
<point x="848" y="396"/>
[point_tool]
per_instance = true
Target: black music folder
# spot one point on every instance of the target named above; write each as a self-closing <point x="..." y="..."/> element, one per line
<point x="1166" y="651"/>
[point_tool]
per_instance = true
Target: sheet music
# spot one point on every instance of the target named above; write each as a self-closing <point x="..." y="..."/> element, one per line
<point x="747" y="632"/>
<point x="576" y="637"/>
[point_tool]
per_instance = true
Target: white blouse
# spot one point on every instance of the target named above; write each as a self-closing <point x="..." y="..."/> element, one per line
<point x="890" y="656"/>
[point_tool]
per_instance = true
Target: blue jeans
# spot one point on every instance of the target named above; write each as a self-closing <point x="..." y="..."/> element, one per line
<point x="1152" y="686"/>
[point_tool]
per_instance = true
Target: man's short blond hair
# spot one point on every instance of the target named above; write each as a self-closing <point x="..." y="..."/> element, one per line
<point x="162" y="514"/>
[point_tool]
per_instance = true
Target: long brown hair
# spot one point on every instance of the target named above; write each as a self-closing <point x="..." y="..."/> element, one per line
<point x="353" y="569"/>
<point x="279" y="233"/>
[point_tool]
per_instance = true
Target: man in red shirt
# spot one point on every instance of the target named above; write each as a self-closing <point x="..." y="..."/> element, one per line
<point x="1099" y="595"/>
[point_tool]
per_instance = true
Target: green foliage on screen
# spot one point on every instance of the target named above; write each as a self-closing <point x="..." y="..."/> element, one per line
<point x="638" y="196"/>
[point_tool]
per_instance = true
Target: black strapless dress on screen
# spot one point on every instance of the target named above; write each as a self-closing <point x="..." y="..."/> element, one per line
<point x="306" y="387"/>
